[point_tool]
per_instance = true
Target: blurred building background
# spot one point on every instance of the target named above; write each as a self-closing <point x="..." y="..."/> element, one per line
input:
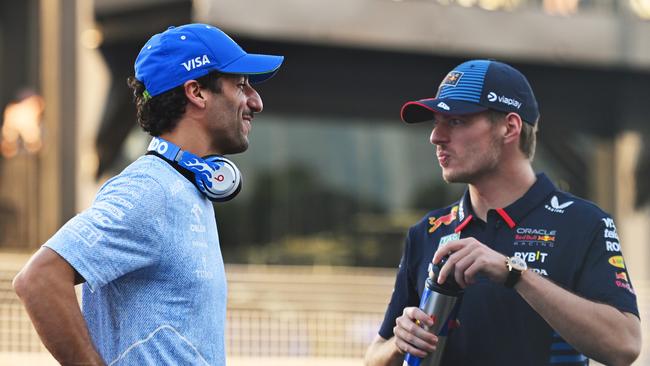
<point x="332" y="178"/>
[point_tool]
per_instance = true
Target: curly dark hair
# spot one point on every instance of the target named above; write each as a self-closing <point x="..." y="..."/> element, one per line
<point x="161" y="113"/>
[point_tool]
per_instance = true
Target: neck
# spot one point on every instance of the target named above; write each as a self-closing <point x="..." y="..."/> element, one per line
<point x="188" y="137"/>
<point x="502" y="188"/>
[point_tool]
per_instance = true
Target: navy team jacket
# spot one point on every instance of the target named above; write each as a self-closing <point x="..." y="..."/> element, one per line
<point x="566" y="239"/>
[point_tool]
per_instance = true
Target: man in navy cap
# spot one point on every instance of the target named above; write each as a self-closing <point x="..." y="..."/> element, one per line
<point x="147" y="250"/>
<point x="543" y="275"/>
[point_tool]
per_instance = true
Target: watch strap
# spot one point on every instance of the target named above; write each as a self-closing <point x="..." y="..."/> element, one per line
<point x="514" y="275"/>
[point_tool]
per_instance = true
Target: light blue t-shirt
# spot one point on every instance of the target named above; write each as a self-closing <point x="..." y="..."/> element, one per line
<point x="155" y="291"/>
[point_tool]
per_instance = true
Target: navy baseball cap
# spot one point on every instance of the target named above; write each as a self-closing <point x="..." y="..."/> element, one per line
<point x="188" y="52"/>
<point x="476" y="86"/>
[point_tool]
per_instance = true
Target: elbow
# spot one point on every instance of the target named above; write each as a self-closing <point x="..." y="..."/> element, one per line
<point x="623" y="359"/>
<point x="21" y="284"/>
<point x="44" y="273"/>
<point x="29" y="283"/>
<point x="627" y="352"/>
<point x="634" y="342"/>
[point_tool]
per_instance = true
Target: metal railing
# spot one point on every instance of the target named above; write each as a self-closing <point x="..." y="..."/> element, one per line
<point x="279" y="312"/>
<point x="275" y="311"/>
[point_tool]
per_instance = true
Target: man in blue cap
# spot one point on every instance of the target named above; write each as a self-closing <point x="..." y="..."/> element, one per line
<point x="543" y="275"/>
<point x="147" y="250"/>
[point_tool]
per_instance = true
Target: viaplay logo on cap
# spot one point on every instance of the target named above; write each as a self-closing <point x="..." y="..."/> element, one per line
<point x="493" y="97"/>
<point x="452" y="78"/>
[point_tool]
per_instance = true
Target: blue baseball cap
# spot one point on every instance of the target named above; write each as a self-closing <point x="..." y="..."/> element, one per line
<point x="476" y="86"/>
<point x="188" y="52"/>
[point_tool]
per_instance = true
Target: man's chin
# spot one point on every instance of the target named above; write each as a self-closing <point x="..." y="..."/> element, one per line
<point x="243" y="146"/>
<point x="447" y="176"/>
<point x="453" y="177"/>
<point x="234" y="148"/>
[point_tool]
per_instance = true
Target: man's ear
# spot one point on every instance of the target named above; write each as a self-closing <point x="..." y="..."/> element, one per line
<point x="193" y="93"/>
<point x="513" y="125"/>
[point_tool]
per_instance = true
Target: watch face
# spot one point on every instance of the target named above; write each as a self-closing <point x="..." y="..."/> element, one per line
<point x="518" y="263"/>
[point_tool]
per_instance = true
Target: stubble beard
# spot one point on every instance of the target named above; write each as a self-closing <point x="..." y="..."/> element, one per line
<point x="230" y="141"/>
<point x="234" y="146"/>
<point x="485" y="165"/>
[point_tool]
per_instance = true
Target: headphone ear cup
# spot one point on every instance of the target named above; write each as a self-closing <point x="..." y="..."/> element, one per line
<point x="225" y="182"/>
<point x="215" y="176"/>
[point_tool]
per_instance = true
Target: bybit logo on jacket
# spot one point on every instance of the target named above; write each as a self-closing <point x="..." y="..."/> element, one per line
<point x="532" y="257"/>
<point x="556" y="206"/>
<point x="195" y="62"/>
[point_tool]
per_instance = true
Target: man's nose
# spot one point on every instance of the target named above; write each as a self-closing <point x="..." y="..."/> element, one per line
<point x="254" y="101"/>
<point x="438" y="135"/>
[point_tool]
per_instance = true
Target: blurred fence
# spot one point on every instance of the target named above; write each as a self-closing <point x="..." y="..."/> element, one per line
<point x="273" y="311"/>
<point x="304" y="311"/>
<point x="280" y="313"/>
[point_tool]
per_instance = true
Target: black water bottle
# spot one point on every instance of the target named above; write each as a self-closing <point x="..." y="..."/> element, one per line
<point x="441" y="303"/>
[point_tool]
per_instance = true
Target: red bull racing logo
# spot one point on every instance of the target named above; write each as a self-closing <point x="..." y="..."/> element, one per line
<point x="446" y="219"/>
<point x="535" y="237"/>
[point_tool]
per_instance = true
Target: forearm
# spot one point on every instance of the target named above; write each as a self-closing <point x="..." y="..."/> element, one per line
<point x="51" y="303"/>
<point x="62" y="329"/>
<point x="383" y="353"/>
<point x="599" y="331"/>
